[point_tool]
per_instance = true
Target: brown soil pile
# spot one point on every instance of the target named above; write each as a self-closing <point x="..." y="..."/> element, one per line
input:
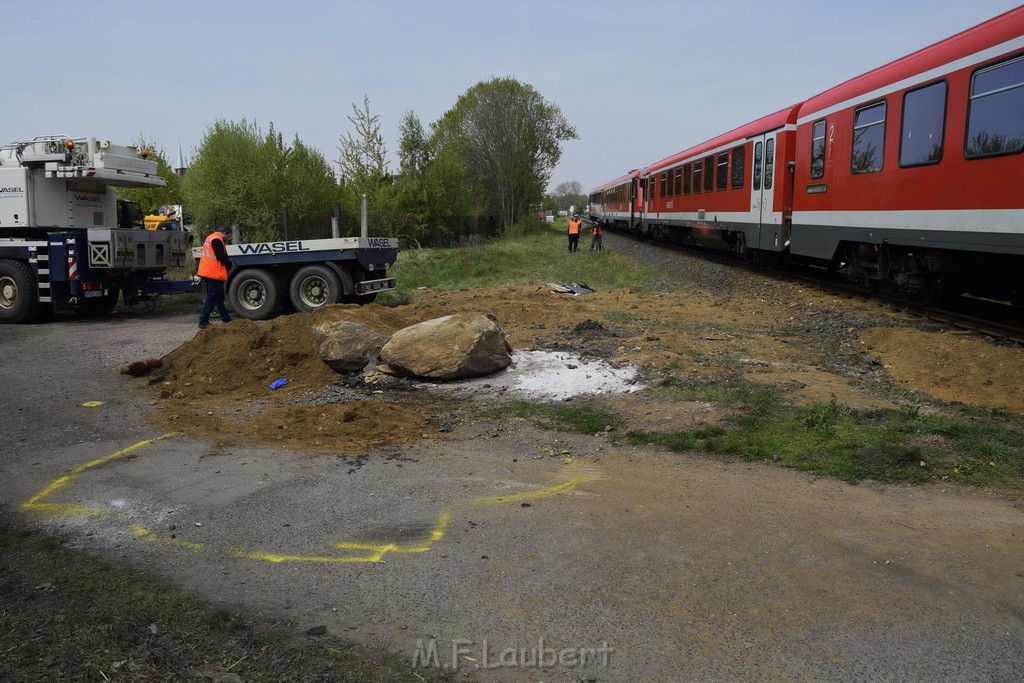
<point x="241" y="359"/>
<point x="216" y="385"/>
<point x="951" y="366"/>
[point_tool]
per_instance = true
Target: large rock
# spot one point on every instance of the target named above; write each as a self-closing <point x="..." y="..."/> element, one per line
<point x="347" y="346"/>
<point x="453" y="347"/>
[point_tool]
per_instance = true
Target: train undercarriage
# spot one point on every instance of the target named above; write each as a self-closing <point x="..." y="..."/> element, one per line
<point x="922" y="276"/>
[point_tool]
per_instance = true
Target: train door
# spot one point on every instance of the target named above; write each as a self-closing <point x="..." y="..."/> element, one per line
<point x="646" y="185"/>
<point x="634" y="186"/>
<point x="762" y="193"/>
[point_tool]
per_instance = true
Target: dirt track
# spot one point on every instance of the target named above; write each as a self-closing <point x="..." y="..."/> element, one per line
<point x="688" y="567"/>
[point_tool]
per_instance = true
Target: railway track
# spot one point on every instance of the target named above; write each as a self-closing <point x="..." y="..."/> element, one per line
<point x="990" y="318"/>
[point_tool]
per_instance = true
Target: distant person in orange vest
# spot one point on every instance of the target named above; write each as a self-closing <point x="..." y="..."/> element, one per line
<point x="214" y="265"/>
<point x="574" y="234"/>
<point x="595" y="237"/>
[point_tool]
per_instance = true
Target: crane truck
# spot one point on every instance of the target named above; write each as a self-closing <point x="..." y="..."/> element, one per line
<point x="66" y="241"/>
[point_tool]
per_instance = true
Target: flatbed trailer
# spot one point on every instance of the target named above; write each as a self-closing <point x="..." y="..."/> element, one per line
<point x="307" y="274"/>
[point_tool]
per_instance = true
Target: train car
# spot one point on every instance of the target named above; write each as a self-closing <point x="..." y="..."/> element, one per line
<point x="909" y="177"/>
<point x="912" y="175"/>
<point x="732" y="193"/>
<point x="617" y="204"/>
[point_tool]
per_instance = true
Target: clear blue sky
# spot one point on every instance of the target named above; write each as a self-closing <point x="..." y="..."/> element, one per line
<point x="639" y="80"/>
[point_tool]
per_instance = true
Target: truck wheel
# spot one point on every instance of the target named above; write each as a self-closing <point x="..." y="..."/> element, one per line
<point x="98" y="306"/>
<point x="18" y="300"/>
<point x="314" y="286"/>
<point x="254" y="294"/>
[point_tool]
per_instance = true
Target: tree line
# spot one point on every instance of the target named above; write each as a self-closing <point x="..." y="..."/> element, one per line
<point x="480" y="168"/>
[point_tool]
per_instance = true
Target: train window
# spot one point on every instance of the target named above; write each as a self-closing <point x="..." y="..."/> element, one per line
<point x="722" y="173"/>
<point x="868" y="139"/>
<point x="924" y="118"/>
<point x="696" y="175"/>
<point x="686" y="179"/>
<point x="709" y="174"/>
<point x="757" y="166"/>
<point x="818" y="149"/>
<point x="662" y="189"/>
<point x="738" y="155"/>
<point x="769" y="163"/>
<point x="994" y="122"/>
<point x="679" y="181"/>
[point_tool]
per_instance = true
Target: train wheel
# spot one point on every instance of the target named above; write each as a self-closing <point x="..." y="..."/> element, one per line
<point x="931" y="293"/>
<point x="255" y="294"/>
<point x="314" y="286"/>
<point x="18" y="300"/>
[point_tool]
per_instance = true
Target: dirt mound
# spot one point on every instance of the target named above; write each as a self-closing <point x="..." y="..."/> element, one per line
<point x="950" y="366"/>
<point x="805" y="345"/>
<point x="242" y="358"/>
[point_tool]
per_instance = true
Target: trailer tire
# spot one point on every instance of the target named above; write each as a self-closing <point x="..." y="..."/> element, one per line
<point x="254" y="294"/>
<point x="18" y="300"/>
<point x="314" y="286"/>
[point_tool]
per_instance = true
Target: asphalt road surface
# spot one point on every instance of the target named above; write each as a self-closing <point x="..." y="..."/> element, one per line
<point x="514" y="553"/>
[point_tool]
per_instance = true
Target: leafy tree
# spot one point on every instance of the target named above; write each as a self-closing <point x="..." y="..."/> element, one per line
<point x="363" y="161"/>
<point x="550" y="203"/>
<point x="508" y="140"/>
<point x="244" y="178"/>
<point x="570" y="193"/>
<point x="413" y="151"/>
<point x="430" y="191"/>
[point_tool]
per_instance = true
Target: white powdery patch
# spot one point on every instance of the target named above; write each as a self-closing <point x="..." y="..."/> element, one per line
<point x="552" y="375"/>
<point x="559" y="375"/>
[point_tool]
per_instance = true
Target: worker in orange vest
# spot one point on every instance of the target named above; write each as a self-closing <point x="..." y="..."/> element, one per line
<point x="574" y="234"/>
<point x="595" y="237"/>
<point x="214" y="265"/>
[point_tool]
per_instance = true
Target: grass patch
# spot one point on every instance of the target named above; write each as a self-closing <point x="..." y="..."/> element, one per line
<point x="525" y="259"/>
<point x="566" y="418"/>
<point x="889" y="446"/>
<point x="68" y="616"/>
<point x="738" y="394"/>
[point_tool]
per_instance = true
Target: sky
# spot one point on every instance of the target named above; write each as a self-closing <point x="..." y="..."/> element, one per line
<point x="638" y="80"/>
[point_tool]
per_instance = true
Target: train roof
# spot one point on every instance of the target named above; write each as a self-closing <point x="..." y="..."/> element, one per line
<point x="988" y="40"/>
<point x="765" y="124"/>
<point x="618" y="181"/>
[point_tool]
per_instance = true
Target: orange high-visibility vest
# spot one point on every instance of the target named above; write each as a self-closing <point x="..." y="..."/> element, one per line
<point x="574" y="227"/>
<point x="597" y="229"/>
<point x="209" y="266"/>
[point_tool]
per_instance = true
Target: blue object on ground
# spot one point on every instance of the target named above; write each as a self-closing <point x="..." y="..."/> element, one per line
<point x="278" y="383"/>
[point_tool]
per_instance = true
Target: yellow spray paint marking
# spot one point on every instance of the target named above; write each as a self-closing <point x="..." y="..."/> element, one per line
<point x="92" y="404"/>
<point x="372" y="552"/>
<point x="147" y="535"/>
<point x="36" y="504"/>
<point x="367" y="551"/>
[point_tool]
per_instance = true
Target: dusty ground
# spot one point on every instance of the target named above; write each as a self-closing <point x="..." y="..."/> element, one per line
<point x="415" y="517"/>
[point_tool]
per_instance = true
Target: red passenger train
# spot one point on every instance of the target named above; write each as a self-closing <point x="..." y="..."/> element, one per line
<point x="910" y="177"/>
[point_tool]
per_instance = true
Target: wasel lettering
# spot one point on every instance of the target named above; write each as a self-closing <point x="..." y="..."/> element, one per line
<point x="11" y="189"/>
<point x="87" y="198"/>
<point x="378" y="241"/>
<point x="271" y="247"/>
